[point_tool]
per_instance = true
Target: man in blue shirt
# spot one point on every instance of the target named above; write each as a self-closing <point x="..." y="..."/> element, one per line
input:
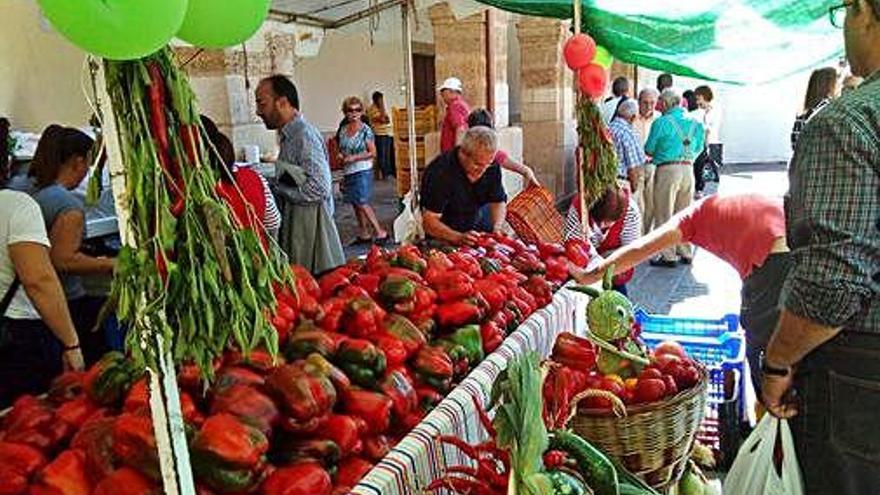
<point x="674" y="142"/>
<point x="628" y="145"/>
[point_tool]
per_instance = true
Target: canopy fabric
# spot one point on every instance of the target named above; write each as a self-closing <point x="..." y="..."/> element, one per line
<point x="736" y="41"/>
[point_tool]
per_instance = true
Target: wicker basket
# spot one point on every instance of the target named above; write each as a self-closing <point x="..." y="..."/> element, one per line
<point x="532" y="215"/>
<point x="653" y="440"/>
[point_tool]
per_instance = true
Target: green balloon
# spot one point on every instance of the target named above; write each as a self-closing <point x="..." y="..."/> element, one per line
<point x="116" y="29"/>
<point x="603" y="57"/>
<point x="222" y="23"/>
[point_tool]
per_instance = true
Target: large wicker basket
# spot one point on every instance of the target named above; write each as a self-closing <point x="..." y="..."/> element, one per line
<point x="532" y="215"/>
<point x="653" y="440"/>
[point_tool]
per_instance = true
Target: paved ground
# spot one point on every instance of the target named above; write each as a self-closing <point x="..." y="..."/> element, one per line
<point x="708" y="288"/>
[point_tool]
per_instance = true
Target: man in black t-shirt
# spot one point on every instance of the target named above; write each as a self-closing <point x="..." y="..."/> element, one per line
<point x="457" y="183"/>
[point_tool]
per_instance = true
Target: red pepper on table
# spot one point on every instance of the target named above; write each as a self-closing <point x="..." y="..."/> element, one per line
<point x="258" y="360"/>
<point x="292" y="448"/>
<point x="335" y="281"/>
<point x="305" y="282"/>
<point x="376" y="447"/>
<point x="453" y="285"/>
<point x="95" y="439"/>
<point x="302" y="396"/>
<point x="547" y="250"/>
<point x="66" y="386"/>
<point x="126" y="481"/>
<point x="12" y="482"/>
<point x="458" y="313"/>
<point x="362" y="317"/>
<point x="438" y="260"/>
<point x="466" y="263"/>
<point x="410" y="257"/>
<point x="352" y="292"/>
<point x="308" y="340"/>
<point x="494" y="294"/>
<point x="345" y="432"/>
<point x="578" y="252"/>
<point x="134" y="444"/>
<point x="66" y="475"/>
<point x="369" y="282"/>
<point x="393" y="348"/>
<point x="575" y="352"/>
<point x="428" y="398"/>
<point x="349" y="473"/>
<point x="401" y="328"/>
<point x="249" y="404"/>
<point x="76" y="412"/>
<point x="492" y="336"/>
<point x="21" y="459"/>
<point x="304" y="478"/>
<point x="236" y="375"/>
<point x="374" y="408"/>
<point x="318" y="364"/>
<point x="399" y="387"/>
<point x="227" y="440"/>
<point x="333" y="310"/>
<point x="557" y="269"/>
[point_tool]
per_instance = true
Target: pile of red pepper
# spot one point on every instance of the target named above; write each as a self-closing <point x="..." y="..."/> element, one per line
<point x="367" y="351"/>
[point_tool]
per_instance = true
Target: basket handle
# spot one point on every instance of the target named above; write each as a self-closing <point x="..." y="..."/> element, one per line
<point x="736" y="380"/>
<point x="617" y="405"/>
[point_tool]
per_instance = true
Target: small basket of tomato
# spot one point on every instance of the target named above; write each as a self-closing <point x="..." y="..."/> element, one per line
<point x="645" y="416"/>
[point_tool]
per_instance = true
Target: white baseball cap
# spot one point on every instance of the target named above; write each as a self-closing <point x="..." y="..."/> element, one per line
<point x="452" y="83"/>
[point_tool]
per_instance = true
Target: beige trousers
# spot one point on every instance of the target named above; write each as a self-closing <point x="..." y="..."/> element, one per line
<point x="647" y="196"/>
<point x="673" y="192"/>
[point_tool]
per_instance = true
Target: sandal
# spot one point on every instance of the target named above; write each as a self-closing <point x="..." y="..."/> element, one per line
<point x="381" y="241"/>
<point x="360" y="241"/>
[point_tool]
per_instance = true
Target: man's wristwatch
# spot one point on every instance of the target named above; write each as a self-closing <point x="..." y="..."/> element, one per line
<point x="768" y="369"/>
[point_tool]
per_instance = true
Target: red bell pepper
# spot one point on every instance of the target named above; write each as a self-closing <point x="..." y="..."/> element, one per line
<point x="401" y="328"/>
<point x="126" y="481"/>
<point x="453" y="285"/>
<point x="259" y="360"/>
<point x="363" y="317"/>
<point x="428" y="398"/>
<point x="134" y="444"/>
<point x="226" y="440"/>
<point x="578" y="252"/>
<point x="318" y="364"/>
<point x="305" y="478"/>
<point x="376" y="447"/>
<point x="66" y="475"/>
<point x="557" y="269"/>
<point x="466" y="263"/>
<point x="310" y="341"/>
<point x="374" y="408"/>
<point x="21" y="459"/>
<point x="305" y="282"/>
<point x="349" y="473"/>
<point x="12" y="482"/>
<point x="369" y="282"/>
<point x="575" y="352"/>
<point x="492" y="336"/>
<point x="248" y="404"/>
<point x="95" y="439"/>
<point x="547" y="250"/>
<point x="236" y="375"/>
<point x="433" y="362"/>
<point x="66" y="386"/>
<point x="76" y="412"/>
<point x="394" y="349"/>
<point x="335" y="281"/>
<point x="399" y="387"/>
<point x="302" y="396"/>
<point x="345" y="431"/>
<point x="494" y="293"/>
<point x="458" y="313"/>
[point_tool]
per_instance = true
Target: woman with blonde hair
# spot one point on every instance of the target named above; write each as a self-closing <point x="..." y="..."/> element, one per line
<point x="357" y="148"/>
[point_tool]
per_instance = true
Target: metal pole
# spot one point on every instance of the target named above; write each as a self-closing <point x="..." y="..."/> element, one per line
<point x="579" y="151"/>
<point x="410" y="98"/>
<point x="165" y="408"/>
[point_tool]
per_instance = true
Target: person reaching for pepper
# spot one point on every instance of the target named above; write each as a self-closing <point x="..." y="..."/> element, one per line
<point x="748" y="232"/>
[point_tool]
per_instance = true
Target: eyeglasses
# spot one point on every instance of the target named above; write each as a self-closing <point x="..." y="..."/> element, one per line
<point x="837" y="14"/>
<point x="354" y="110"/>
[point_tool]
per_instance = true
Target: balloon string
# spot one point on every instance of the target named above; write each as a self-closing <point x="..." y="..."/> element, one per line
<point x="192" y="57"/>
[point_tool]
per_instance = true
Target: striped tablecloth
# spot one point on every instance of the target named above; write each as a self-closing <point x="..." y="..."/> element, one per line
<point x="418" y="459"/>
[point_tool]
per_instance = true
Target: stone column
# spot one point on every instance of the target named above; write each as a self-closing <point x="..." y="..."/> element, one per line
<point x="460" y="51"/>
<point x="547" y="103"/>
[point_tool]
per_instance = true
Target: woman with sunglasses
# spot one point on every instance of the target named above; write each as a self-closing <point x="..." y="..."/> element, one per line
<point x="357" y="149"/>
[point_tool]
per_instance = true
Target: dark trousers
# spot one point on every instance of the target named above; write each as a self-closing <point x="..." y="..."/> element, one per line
<point x="711" y="158"/>
<point x="385" y="155"/>
<point x="29" y="358"/>
<point x="835" y="432"/>
<point x="84" y="313"/>
<point x="759" y="312"/>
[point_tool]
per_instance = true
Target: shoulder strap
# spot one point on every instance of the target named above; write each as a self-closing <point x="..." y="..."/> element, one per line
<point x="10" y="293"/>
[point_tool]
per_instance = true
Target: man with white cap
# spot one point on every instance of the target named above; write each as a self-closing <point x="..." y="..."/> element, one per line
<point x="454" y="123"/>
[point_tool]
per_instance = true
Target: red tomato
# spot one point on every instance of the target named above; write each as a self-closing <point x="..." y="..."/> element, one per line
<point x="664" y="361"/>
<point x="650" y="390"/>
<point x="613" y="386"/>
<point x="685" y="375"/>
<point x="670" y="347"/>
<point x="671" y="386"/>
<point x="650" y="373"/>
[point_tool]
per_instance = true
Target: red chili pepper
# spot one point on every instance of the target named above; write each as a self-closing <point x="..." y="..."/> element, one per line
<point x="158" y="121"/>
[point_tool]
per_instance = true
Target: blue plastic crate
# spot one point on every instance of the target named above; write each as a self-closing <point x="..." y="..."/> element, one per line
<point x="713" y="342"/>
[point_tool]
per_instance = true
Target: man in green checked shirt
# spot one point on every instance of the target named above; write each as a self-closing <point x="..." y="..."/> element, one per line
<point x="827" y="344"/>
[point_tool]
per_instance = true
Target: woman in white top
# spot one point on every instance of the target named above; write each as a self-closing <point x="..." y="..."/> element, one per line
<point x="34" y="308"/>
<point x="713" y="156"/>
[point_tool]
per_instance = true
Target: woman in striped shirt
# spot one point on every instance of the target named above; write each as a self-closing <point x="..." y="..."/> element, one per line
<point x="615" y="221"/>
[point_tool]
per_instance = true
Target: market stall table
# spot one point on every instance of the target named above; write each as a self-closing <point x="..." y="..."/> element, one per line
<point x="418" y="459"/>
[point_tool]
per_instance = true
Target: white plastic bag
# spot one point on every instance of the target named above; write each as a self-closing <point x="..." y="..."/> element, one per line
<point x="753" y="472"/>
<point x="408" y="225"/>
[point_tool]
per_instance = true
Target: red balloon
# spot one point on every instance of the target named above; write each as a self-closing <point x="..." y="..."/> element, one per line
<point x="592" y="80"/>
<point x="579" y="51"/>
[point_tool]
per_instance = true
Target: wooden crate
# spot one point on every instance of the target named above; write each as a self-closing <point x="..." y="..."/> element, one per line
<point x="426" y="121"/>
<point x="401" y="153"/>
<point x="403" y="179"/>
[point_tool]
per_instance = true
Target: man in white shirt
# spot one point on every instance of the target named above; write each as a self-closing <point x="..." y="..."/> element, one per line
<point x="710" y="116"/>
<point x="621" y="89"/>
<point x="647" y="115"/>
<point x="34" y="304"/>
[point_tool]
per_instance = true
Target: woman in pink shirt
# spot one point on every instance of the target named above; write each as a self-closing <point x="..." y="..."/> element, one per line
<point x="747" y="231"/>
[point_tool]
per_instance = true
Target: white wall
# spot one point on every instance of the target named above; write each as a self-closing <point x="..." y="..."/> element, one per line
<point x="348" y="65"/>
<point x="757" y="119"/>
<point x="40" y="83"/>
